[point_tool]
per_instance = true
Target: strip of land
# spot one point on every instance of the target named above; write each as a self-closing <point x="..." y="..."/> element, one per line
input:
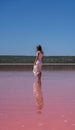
<point x="29" y="66"/>
<point x="30" y="59"/>
<point x="26" y="62"/>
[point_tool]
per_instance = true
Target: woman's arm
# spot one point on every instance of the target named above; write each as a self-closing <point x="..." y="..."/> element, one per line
<point x="42" y="55"/>
<point x="37" y="55"/>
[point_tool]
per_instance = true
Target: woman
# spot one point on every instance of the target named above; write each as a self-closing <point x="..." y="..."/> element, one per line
<point x="38" y="62"/>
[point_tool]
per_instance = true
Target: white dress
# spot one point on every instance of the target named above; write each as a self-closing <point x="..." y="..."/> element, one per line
<point x="38" y="66"/>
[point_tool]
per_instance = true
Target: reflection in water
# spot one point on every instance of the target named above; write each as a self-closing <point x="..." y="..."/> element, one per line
<point x="37" y="89"/>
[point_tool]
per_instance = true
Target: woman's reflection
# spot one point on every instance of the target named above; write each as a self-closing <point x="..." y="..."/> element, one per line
<point x="37" y="89"/>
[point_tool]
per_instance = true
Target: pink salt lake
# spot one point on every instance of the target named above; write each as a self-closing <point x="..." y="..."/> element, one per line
<point x="26" y="104"/>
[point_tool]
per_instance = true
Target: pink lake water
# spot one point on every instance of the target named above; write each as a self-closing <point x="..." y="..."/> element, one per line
<point x="26" y="104"/>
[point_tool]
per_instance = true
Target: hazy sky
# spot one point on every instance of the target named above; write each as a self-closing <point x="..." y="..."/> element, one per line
<point x="26" y="23"/>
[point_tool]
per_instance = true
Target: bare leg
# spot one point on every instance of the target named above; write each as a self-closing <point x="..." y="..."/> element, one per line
<point x="39" y="76"/>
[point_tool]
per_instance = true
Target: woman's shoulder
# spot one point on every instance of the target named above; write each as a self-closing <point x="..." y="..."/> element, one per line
<point x="39" y="52"/>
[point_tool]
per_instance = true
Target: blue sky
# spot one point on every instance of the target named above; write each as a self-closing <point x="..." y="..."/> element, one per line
<point x="26" y="23"/>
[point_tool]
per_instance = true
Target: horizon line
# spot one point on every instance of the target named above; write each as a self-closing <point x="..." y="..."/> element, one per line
<point x="35" y="55"/>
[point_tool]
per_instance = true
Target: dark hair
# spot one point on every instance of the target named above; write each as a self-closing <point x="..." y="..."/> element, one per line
<point x="39" y="48"/>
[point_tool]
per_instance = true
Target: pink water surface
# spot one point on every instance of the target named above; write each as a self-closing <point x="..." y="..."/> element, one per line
<point x="26" y="104"/>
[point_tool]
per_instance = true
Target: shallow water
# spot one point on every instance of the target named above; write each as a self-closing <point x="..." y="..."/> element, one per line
<point x="26" y="104"/>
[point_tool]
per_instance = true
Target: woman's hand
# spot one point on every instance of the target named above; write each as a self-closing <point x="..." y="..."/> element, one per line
<point x="34" y="63"/>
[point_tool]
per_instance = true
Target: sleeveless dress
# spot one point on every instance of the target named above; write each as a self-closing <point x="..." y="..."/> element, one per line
<point x="38" y="66"/>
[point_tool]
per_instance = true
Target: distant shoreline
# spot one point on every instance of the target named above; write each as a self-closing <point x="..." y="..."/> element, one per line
<point x="30" y="59"/>
<point x="45" y="64"/>
<point x="29" y="66"/>
<point x="26" y="62"/>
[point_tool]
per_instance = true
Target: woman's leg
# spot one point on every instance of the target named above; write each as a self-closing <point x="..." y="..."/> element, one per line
<point x="39" y="76"/>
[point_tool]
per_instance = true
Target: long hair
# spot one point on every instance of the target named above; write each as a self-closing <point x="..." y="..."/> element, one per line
<point x="39" y="48"/>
